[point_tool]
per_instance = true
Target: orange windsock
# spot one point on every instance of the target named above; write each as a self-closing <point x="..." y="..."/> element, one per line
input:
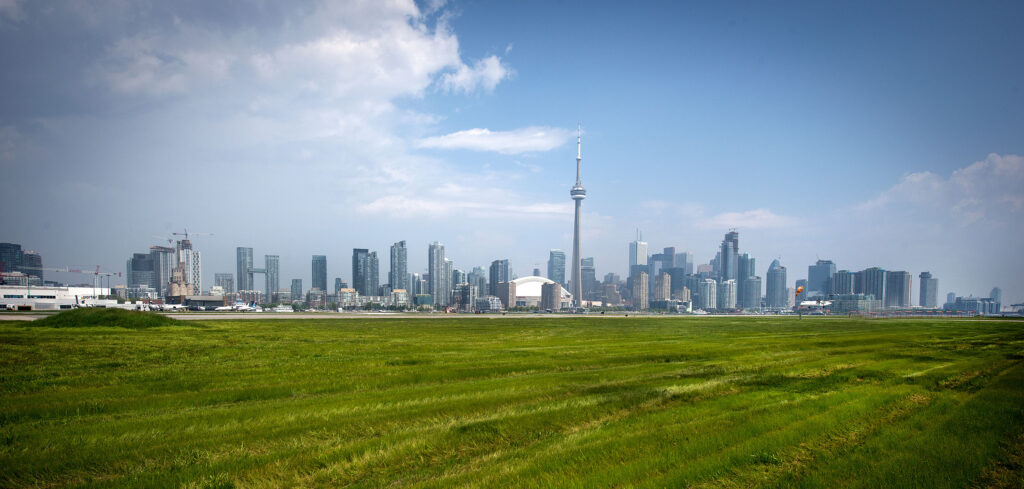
<point x="799" y="289"/>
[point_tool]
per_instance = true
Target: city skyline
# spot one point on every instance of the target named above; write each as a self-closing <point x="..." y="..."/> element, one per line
<point x="891" y="288"/>
<point x="828" y="125"/>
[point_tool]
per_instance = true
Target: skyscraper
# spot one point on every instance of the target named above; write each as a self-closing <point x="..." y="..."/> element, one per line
<point x="373" y="274"/>
<point x="10" y="257"/>
<point x="338" y="284"/>
<point x="897" y="289"/>
<point x="637" y="253"/>
<point x="871" y="281"/>
<point x="507" y="294"/>
<point x="320" y="272"/>
<point x="296" y="290"/>
<point x="478" y="277"/>
<point x="929" y="295"/>
<point x="32" y="265"/>
<point x="271" y="264"/>
<point x="225" y="281"/>
<point x="398" y="276"/>
<point x="192" y="260"/>
<point x="459" y="277"/>
<point x="361" y="271"/>
<point x="775" y="288"/>
<point x="802" y="283"/>
<point x="684" y="260"/>
<point x="556" y="266"/>
<point x="707" y="294"/>
<point x="435" y="273"/>
<point x="446" y="281"/>
<point x="578" y="193"/>
<point x="416" y="282"/>
<point x="729" y="255"/>
<point x="745" y="269"/>
<point x="751" y="293"/>
<point x="662" y="287"/>
<point x="139" y="271"/>
<point x="164" y="262"/>
<point x="550" y="296"/>
<point x="819" y="277"/>
<point x="589" y="277"/>
<point x="243" y="263"/>
<point x="842" y="283"/>
<point x="640" y="291"/>
<point x="996" y="295"/>
<point x="658" y="263"/>
<point x="727" y="294"/>
<point x="499" y="273"/>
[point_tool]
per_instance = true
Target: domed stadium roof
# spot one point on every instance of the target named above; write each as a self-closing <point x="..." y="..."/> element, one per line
<point x="531" y="287"/>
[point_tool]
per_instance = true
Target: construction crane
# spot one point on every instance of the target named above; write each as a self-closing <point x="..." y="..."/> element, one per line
<point x="170" y="241"/>
<point x="186" y="234"/>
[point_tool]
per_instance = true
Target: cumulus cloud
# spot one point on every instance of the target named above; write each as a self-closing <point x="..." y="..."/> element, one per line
<point x="484" y="74"/>
<point x="525" y="140"/>
<point x="330" y="78"/>
<point x="344" y="50"/>
<point x="989" y="190"/>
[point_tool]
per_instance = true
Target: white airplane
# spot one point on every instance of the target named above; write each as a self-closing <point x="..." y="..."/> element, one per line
<point x="173" y="307"/>
<point x="240" y="307"/>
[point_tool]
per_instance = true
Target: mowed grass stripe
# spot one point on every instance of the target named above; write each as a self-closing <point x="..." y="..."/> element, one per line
<point x="438" y="403"/>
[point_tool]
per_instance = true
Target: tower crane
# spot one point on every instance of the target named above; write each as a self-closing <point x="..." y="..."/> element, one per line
<point x="186" y="234"/>
<point x="170" y="241"/>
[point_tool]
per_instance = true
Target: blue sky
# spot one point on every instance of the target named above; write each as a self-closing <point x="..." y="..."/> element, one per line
<point x="871" y="134"/>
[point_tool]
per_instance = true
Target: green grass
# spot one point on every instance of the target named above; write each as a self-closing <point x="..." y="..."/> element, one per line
<point x="514" y="402"/>
<point x="92" y="317"/>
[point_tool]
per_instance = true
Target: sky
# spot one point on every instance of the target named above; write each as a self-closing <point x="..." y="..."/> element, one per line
<point x="870" y="133"/>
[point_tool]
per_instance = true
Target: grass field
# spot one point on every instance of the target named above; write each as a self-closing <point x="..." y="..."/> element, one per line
<point x="572" y="402"/>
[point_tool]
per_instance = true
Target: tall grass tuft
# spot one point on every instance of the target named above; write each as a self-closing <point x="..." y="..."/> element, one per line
<point x="117" y="318"/>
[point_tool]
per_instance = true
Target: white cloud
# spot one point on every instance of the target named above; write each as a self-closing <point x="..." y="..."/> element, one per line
<point x="402" y="207"/>
<point x="484" y="74"/>
<point x="331" y="80"/>
<point x="12" y="10"/>
<point x="343" y="50"/>
<point x="697" y="215"/>
<point x="525" y="140"/>
<point x="752" y="219"/>
<point x="10" y="139"/>
<point x="989" y="190"/>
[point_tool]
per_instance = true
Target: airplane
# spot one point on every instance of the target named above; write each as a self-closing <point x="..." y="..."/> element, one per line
<point x="240" y="307"/>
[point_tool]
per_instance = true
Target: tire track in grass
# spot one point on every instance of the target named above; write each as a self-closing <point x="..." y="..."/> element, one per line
<point x="793" y="465"/>
<point x="727" y="449"/>
<point x="576" y="440"/>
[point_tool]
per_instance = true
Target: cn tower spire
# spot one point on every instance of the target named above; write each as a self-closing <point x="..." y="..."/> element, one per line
<point x="579" y="157"/>
<point x="578" y="193"/>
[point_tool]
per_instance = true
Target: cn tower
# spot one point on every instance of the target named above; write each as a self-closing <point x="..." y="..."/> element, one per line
<point x="578" y="193"/>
